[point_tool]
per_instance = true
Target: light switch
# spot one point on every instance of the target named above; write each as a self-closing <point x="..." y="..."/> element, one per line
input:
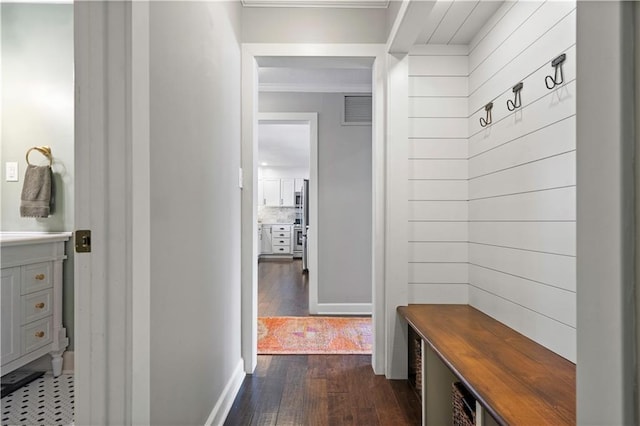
<point x="11" y="169"/>
<point x="240" y="177"/>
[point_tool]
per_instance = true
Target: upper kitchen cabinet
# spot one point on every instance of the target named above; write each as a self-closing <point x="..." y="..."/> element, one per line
<point x="276" y="192"/>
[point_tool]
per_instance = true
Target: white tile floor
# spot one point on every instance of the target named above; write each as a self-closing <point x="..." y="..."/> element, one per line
<point x="46" y="401"/>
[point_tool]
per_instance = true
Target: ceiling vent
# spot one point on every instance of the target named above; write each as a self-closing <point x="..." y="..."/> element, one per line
<point x="356" y="110"/>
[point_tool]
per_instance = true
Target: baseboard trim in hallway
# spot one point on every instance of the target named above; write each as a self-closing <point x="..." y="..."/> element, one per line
<point x="223" y="406"/>
<point x="343" y="309"/>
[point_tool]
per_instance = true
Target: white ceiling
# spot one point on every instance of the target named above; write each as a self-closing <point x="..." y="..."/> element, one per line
<point x="456" y="21"/>
<point x="283" y="145"/>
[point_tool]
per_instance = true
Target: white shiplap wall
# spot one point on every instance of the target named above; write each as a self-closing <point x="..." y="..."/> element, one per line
<point x="492" y="216"/>
<point x="522" y="174"/>
<point x="438" y="175"/>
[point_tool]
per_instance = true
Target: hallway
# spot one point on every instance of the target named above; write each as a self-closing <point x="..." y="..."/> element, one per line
<point x="322" y="390"/>
<point x="282" y="289"/>
<point x="314" y="389"/>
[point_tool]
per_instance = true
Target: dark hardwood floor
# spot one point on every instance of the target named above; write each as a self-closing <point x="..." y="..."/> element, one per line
<point x="291" y="390"/>
<point x="322" y="390"/>
<point x="282" y="289"/>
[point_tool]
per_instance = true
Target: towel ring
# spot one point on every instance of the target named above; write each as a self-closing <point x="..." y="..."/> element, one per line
<point x="44" y="150"/>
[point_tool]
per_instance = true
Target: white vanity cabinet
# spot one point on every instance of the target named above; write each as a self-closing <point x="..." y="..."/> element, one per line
<point x="31" y="310"/>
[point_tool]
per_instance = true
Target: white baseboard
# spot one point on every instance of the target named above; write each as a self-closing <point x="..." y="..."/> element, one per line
<point x="222" y="407"/>
<point x="343" y="309"/>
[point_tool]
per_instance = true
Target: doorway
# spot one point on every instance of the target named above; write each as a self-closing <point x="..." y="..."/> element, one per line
<point x="252" y="54"/>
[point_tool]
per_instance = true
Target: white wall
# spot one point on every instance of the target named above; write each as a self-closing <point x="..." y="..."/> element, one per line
<point x="283" y="173"/>
<point x="313" y="25"/>
<point x="344" y="196"/>
<point x="492" y="217"/>
<point x="437" y="165"/>
<point x="522" y="178"/>
<point x="37" y="109"/>
<point x="195" y="207"/>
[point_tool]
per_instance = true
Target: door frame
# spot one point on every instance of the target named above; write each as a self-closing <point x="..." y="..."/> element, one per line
<point x="310" y="118"/>
<point x="250" y="51"/>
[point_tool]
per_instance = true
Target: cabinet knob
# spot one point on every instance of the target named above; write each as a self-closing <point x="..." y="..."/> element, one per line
<point x="40" y="334"/>
<point x="40" y="277"/>
<point x="40" y="305"/>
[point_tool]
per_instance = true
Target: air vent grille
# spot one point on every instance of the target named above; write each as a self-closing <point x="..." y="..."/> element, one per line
<point x="357" y="109"/>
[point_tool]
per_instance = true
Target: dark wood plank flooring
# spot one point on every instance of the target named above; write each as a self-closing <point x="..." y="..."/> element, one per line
<point x="322" y="390"/>
<point x="314" y="389"/>
<point x="282" y="289"/>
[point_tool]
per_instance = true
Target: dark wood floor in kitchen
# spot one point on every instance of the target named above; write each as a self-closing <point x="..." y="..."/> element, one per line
<point x="315" y="389"/>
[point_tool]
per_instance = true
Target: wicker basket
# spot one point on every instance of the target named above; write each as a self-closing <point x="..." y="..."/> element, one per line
<point x="463" y="406"/>
<point x="415" y="362"/>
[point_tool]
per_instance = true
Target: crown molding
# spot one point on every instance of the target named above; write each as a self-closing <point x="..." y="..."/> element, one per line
<point x="369" y="4"/>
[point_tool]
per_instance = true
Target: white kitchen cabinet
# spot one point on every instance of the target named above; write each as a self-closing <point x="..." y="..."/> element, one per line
<point x="265" y="241"/>
<point x="287" y="193"/>
<point x="32" y="299"/>
<point x="281" y="239"/>
<point x="298" y="184"/>
<point x="271" y="192"/>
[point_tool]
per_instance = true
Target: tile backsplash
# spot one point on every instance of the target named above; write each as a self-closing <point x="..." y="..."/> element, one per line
<point x="267" y="214"/>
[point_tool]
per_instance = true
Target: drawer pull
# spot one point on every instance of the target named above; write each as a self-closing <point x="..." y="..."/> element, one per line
<point x="40" y="277"/>
<point x="40" y="334"/>
<point x="40" y="305"/>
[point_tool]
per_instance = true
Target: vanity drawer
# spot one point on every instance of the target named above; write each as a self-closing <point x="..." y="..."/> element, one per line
<point x="36" y="306"/>
<point x="36" y="277"/>
<point x="36" y="334"/>
<point x="281" y="242"/>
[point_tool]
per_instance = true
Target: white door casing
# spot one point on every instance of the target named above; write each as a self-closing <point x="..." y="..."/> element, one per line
<point x="249" y="208"/>
<point x="111" y="43"/>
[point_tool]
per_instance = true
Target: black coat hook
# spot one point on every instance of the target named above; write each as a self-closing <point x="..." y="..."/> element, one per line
<point x="552" y="82"/>
<point x="517" y="102"/>
<point x="484" y="122"/>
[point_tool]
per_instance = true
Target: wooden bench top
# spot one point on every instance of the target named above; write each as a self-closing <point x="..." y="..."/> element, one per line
<point x="517" y="380"/>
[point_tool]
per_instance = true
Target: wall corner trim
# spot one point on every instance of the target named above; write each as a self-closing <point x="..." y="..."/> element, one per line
<point x="224" y="403"/>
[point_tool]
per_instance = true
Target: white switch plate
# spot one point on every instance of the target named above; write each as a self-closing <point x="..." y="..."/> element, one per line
<point x="12" y="171"/>
<point x="240" y="176"/>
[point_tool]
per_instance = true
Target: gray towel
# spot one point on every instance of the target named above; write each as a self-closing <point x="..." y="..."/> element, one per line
<point x="36" y="192"/>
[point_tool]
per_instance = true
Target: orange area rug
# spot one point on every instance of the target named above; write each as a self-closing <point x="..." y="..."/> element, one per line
<point x="314" y="335"/>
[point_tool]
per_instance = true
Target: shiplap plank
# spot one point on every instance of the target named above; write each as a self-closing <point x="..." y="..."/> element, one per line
<point x="438" y="148"/>
<point x="551" y="269"/>
<point x="438" y="86"/>
<point x="438" y="210"/>
<point x="553" y="172"/>
<point x="438" y="273"/>
<point x="514" y="17"/>
<point x="439" y="65"/>
<point x="438" y="252"/>
<point x="531" y="67"/>
<point x="551" y="205"/>
<point x="437" y="169"/>
<point x="548" y="141"/>
<point x="438" y="127"/>
<point x="429" y="190"/>
<point x="439" y="50"/>
<point x="491" y="24"/>
<point x="438" y="107"/>
<point x="557" y="105"/>
<point x="550" y="237"/>
<point x="439" y="293"/>
<point x="439" y="231"/>
<point x="539" y="23"/>
<point x="552" y="334"/>
<point x="450" y="23"/>
<point x="550" y="301"/>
